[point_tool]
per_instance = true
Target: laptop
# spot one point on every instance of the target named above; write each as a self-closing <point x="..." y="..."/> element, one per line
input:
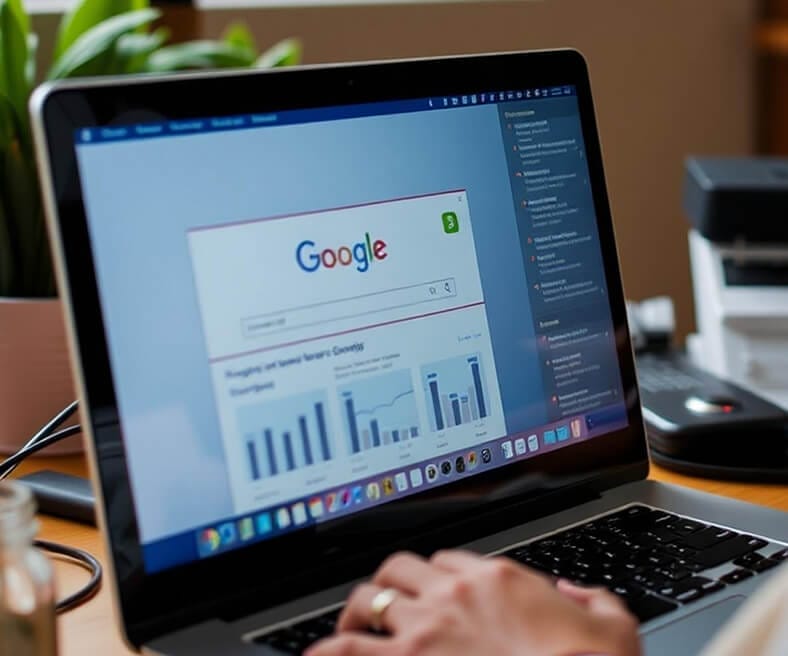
<point x="322" y="315"/>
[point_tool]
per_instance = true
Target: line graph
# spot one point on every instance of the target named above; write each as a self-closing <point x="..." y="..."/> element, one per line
<point x="379" y="411"/>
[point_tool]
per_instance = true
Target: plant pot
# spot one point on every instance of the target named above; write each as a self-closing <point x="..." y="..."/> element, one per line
<point x="35" y="374"/>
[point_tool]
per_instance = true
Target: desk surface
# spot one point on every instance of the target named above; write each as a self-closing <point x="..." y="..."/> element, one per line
<point x="91" y="628"/>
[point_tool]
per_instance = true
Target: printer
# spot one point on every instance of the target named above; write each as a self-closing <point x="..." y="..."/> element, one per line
<point x="738" y="242"/>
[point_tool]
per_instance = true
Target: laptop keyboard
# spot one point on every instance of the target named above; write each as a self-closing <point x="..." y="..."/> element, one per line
<point x="653" y="560"/>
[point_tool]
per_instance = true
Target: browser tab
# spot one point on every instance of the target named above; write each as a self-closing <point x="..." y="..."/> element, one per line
<point x="149" y="129"/>
<point x="114" y="133"/>
<point x="263" y="119"/>
<point x="229" y="122"/>
<point x="186" y="126"/>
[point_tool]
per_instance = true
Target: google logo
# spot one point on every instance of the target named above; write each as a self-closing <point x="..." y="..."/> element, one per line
<point x="362" y="254"/>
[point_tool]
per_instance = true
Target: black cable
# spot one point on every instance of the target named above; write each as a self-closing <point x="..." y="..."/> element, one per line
<point x="53" y="423"/>
<point x="43" y="432"/>
<point x="10" y="463"/>
<point x="83" y="559"/>
<point x="43" y="438"/>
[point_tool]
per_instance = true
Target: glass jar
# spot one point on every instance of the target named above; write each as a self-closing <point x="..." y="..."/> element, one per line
<point x="27" y="594"/>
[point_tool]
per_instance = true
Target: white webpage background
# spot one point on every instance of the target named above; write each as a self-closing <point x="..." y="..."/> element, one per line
<point x="248" y="269"/>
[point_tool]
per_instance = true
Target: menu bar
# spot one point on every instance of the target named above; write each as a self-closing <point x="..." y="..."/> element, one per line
<point x="94" y="135"/>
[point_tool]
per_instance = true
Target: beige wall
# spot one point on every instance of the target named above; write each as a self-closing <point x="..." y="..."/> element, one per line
<point x="670" y="77"/>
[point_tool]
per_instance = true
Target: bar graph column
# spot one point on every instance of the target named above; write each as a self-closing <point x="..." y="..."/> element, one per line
<point x="284" y="435"/>
<point x="305" y="440"/>
<point x="321" y="427"/>
<point x="455" y="392"/>
<point x="251" y="450"/>
<point x="273" y="470"/>
<point x="379" y="411"/>
<point x="351" y="419"/>
<point x="477" y="385"/>
<point x="432" y="382"/>
<point x="289" y="456"/>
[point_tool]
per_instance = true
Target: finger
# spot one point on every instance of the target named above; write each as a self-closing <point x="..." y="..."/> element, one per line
<point x="358" y="614"/>
<point x="607" y="604"/>
<point x="579" y="593"/>
<point x="407" y="572"/>
<point x="597" y="600"/>
<point x="456" y="560"/>
<point x="620" y="626"/>
<point x="351" y="644"/>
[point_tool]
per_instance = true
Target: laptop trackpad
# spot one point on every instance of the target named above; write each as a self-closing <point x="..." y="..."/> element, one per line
<point x="689" y="634"/>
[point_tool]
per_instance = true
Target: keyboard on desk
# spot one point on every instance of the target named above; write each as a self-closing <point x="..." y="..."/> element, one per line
<point x="655" y="561"/>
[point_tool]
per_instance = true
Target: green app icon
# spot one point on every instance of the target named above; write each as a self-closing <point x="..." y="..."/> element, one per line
<point x="450" y="223"/>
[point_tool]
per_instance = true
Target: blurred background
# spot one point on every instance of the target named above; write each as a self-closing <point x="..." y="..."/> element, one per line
<point x="670" y="78"/>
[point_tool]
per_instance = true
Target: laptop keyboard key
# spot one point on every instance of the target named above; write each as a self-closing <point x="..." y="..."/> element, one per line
<point x="627" y="591"/>
<point x="780" y="555"/>
<point x="708" y="537"/>
<point x="724" y="551"/>
<point x="315" y="629"/>
<point x="679" y="588"/>
<point x="673" y="572"/>
<point x="658" y="535"/>
<point x="286" y="640"/>
<point x="685" y="526"/>
<point x="648" y="607"/>
<point x="689" y="595"/>
<point x="679" y="550"/>
<point x="712" y="586"/>
<point x="650" y="581"/>
<point x="757" y="543"/>
<point x="748" y="559"/>
<point x="764" y="564"/>
<point x="736" y="575"/>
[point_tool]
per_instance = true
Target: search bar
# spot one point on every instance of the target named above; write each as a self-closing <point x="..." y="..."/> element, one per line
<point x="316" y="314"/>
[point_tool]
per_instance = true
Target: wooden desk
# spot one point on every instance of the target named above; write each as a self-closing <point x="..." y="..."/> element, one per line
<point x="91" y="628"/>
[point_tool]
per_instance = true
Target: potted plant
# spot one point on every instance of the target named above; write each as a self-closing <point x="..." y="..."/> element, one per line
<point x="97" y="37"/>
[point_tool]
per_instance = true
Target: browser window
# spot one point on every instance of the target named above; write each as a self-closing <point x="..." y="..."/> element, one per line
<point x="314" y="312"/>
<point x="316" y="375"/>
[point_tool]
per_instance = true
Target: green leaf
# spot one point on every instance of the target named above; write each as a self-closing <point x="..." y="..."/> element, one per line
<point x="132" y="50"/>
<point x="285" y="53"/>
<point x="13" y="58"/>
<point x="238" y="35"/>
<point x="8" y="125"/>
<point x="30" y="67"/>
<point x="86" y="15"/>
<point x="22" y="204"/>
<point x="18" y="10"/>
<point x="199" y="54"/>
<point x="97" y="42"/>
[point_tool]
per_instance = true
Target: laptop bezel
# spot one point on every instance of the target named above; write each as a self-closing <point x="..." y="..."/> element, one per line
<point x="153" y="605"/>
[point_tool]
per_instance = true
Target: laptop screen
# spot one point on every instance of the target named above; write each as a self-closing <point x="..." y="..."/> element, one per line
<point x="314" y="312"/>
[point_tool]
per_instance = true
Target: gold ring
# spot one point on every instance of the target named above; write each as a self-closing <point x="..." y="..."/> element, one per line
<point x="380" y="602"/>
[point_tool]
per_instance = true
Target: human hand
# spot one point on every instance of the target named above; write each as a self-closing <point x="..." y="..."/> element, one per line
<point x="459" y="603"/>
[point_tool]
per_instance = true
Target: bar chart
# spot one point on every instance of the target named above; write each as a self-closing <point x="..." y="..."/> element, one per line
<point x="455" y="391"/>
<point x="284" y="435"/>
<point x="379" y="411"/>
